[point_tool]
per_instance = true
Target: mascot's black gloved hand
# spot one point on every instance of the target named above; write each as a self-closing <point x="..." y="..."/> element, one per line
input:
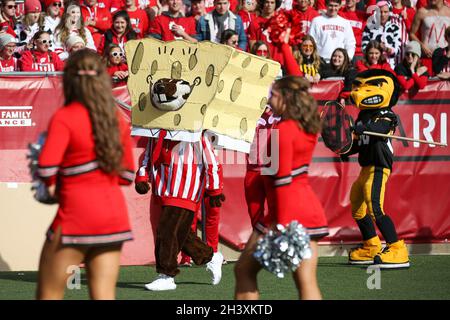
<point x="142" y="187"/>
<point x="216" y="201"/>
<point x="359" y="129"/>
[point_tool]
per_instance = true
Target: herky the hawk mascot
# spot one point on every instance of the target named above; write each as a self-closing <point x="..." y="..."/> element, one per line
<point x="375" y="92"/>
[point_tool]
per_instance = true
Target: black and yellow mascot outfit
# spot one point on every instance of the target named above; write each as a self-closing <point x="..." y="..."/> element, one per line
<point x="375" y="92"/>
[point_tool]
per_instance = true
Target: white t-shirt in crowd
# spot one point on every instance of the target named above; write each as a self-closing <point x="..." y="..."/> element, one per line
<point x="331" y="33"/>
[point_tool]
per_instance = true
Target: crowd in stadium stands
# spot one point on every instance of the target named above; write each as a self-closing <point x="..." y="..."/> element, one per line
<point x="321" y="39"/>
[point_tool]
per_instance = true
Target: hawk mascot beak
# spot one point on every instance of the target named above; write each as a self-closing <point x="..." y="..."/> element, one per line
<point x="375" y="89"/>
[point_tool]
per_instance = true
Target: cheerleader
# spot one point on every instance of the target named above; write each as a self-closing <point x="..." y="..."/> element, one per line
<point x="85" y="158"/>
<point x="290" y="194"/>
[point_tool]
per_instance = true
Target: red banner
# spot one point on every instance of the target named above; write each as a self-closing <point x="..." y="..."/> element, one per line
<point x="416" y="196"/>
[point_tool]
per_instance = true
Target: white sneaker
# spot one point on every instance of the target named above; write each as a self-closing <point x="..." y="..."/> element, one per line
<point x="215" y="267"/>
<point x="161" y="283"/>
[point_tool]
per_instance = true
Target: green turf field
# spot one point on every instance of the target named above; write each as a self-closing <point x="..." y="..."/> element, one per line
<point x="428" y="278"/>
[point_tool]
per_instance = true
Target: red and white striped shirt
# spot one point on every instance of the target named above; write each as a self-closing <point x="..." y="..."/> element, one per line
<point x="183" y="172"/>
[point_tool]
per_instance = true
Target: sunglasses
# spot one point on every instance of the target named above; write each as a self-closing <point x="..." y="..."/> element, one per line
<point x="307" y="46"/>
<point x="261" y="52"/>
<point x="117" y="54"/>
<point x="57" y="4"/>
<point x="12" y="6"/>
<point x="45" y="41"/>
<point x="410" y="54"/>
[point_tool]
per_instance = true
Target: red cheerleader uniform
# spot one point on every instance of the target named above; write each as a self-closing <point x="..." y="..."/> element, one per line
<point x="92" y="208"/>
<point x="254" y="183"/>
<point x="291" y="195"/>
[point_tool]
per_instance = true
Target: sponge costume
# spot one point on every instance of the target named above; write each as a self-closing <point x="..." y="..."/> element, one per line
<point x="375" y="92"/>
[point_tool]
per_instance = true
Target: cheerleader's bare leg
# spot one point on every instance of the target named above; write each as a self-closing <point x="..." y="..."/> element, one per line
<point x="102" y="266"/>
<point x="246" y="271"/>
<point x="55" y="267"/>
<point x="305" y="276"/>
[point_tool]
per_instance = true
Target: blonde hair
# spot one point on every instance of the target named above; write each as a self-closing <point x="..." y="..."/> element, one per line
<point x="315" y="55"/>
<point x="86" y="81"/>
<point x="63" y="32"/>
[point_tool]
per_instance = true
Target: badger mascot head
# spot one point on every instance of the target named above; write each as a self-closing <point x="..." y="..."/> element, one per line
<point x="375" y="89"/>
<point x="171" y="94"/>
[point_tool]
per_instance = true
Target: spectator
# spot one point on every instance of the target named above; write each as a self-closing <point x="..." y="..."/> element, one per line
<point x="400" y="18"/>
<point x="89" y="135"/>
<point x="261" y="49"/>
<point x="411" y="73"/>
<point x="71" y="24"/>
<point x="138" y="18"/>
<point x="53" y="15"/>
<point x="210" y="5"/>
<point x="403" y="9"/>
<point x="258" y="28"/>
<point x="387" y="33"/>
<point x="429" y="23"/>
<point x="340" y="66"/>
<point x="306" y="14"/>
<point x="172" y="24"/>
<point x="441" y="59"/>
<point x="247" y="9"/>
<point x="40" y="58"/>
<point x="331" y="31"/>
<point x="31" y="21"/>
<point x="357" y="20"/>
<point x="211" y="26"/>
<point x="74" y="43"/>
<point x="96" y="19"/>
<point x="54" y="11"/>
<point x="116" y="65"/>
<point x="8" y="62"/>
<point x="308" y="59"/>
<point x="197" y="9"/>
<point x="230" y="38"/>
<point x="120" y="32"/>
<point x="8" y="17"/>
<point x="373" y="58"/>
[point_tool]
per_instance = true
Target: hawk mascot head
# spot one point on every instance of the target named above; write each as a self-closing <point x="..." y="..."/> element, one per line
<point x="375" y="89"/>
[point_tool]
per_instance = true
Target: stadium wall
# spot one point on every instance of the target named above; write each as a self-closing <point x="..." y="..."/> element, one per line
<point x="417" y="193"/>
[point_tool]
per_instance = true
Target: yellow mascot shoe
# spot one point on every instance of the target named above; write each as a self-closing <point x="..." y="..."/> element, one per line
<point x="366" y="253"/>
<point x="395" y="255"/>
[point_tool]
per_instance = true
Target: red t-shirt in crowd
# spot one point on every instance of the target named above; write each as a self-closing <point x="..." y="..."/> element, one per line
<point x="357" y="20"/>
<point x="103" y="21"/>
<point x="161" y="26"/>
<point x="306" y="17"/>
<point x="139" y="22"/>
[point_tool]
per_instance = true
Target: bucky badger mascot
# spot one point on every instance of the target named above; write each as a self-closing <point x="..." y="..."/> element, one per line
<point x="375" y="92"/>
